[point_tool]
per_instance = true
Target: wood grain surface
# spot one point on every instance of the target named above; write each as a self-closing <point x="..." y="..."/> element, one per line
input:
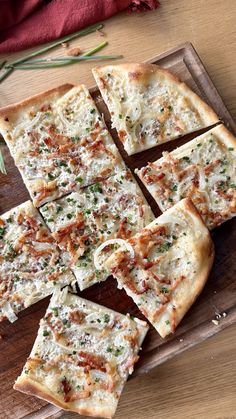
<point x="200" y="382"/>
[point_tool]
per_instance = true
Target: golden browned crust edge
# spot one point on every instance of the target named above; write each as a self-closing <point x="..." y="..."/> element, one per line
<point x="224" y="134"/>
<point x="28" y="386"/>
<point x="143" y="70"/>
<point x="190" y="207"/>
<point x="206" y="258"/>
<point x="11" y="109"/>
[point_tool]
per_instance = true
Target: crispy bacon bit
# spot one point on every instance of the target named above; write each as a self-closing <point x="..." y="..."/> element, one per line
<point x="148" y="265"/>
<point x="149" y="238"/>
<point x="133" y="338"/>
<point x="37" y="253"/>
<point x="34" y="362"/>
<point x="46" y="190"/>
<point x="76" y="316"/>
<point x="92" y="361"/>
<point x="152" y="178"/>
<point x="122" y="233"/>
<point x="195" y="180"/>
<point x="31" y="222"/>
<point x="58" y="138"/>
<point x="2" y="222"/>
<point x="122" y="135"/>
<point x="129" y="283"/>
<point x="45" y="108"/>
<point x="211" y="166"/>
<point x="66" y="388"/>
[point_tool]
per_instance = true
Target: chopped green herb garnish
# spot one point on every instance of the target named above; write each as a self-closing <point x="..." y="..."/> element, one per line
<point x="50" y="176"/>
<point x="79" y="179"/>
<point x="45" y="333"/>
<point x="164" y="290"/>
<point x="106" y="318"/>
<point x="167" y="322"/>
<point x="96" y="188"/>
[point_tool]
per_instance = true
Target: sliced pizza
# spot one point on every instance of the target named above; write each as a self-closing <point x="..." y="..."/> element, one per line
<point x="165" y="266"/>
<point x="82" y="221"/>
<point x="82" y="356"/>
<point x="31" y="266"/>
<point x="204" y="170"/>
<point x="150" y="106"/>
<point x="59" y="142"/>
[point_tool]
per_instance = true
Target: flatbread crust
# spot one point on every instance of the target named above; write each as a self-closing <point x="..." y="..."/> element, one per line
<point x="149" y="105"/>
<point x="82" y="356"/>
<point x="82" y="221"/>
<point x="172" y="259"/>
<point x="59" y="142"/>
<point x="31" y="267"/>
<point x="204" y="170"/>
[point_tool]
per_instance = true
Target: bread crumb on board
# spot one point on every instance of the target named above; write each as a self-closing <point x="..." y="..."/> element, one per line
<point x="73" y="52"/>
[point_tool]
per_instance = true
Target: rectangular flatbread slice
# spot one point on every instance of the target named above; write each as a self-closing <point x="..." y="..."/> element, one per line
<point x="149" y="105"/>
<point x="82" y="356"/>
<point x="59" y="142"/>
<point x="82" y="221"/>
<point x="168" y="266"/>
<point x="30" y="263"/>
<point x="204" y="170"/>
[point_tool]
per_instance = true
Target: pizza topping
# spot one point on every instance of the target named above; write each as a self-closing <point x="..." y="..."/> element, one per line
<point x="201" y="170"/>
<point x="30" y="261"/>
<point x="108" y="209"/>
<point x="84" y="363"/>
<point x="149" y="109"/>
<point x="107" y="243"/>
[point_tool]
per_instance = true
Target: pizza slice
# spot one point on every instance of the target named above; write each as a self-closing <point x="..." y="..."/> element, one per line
<point x="150" y="106"/>
<point x="59" y="142"/>
<point x="204" y="170"/>
<point x="82" y="221"/>
<point x="165" y="266"/>
<point x="82" y="356"/>
<point x="31" y="266"/>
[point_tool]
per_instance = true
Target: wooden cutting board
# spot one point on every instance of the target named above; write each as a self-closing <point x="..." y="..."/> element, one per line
<point x="219" y="295"/>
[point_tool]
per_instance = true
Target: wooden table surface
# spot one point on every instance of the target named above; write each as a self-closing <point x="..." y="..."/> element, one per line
<point x="199" y="383"/>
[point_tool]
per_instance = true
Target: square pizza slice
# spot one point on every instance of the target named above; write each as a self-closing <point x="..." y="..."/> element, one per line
<point x="30" y="263"/>
<point x="82" y="221"/>
<point x="82" y="356"/>
<point x="165" y="266"/>
<point x="59" y="142"/>
<point x="149" y="105"/>
<point x="204" y="170"/>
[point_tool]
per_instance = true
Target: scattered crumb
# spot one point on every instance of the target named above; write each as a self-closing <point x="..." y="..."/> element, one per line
<point x="214" y="292"/>
<point x="216" y="322"/>
<point x="64" y="44"/>
<point x="181" y="340"/>
<point x="1" y="337"/>
<point x="73" y="52"/>
<point x="212" y="357"/>
<point x="218" y="316"/>
<point x="224" y="314"/>
<point x="101" y="33"/>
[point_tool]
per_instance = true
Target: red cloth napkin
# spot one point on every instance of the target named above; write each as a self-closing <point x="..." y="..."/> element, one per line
<point x="25" y="23"/>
